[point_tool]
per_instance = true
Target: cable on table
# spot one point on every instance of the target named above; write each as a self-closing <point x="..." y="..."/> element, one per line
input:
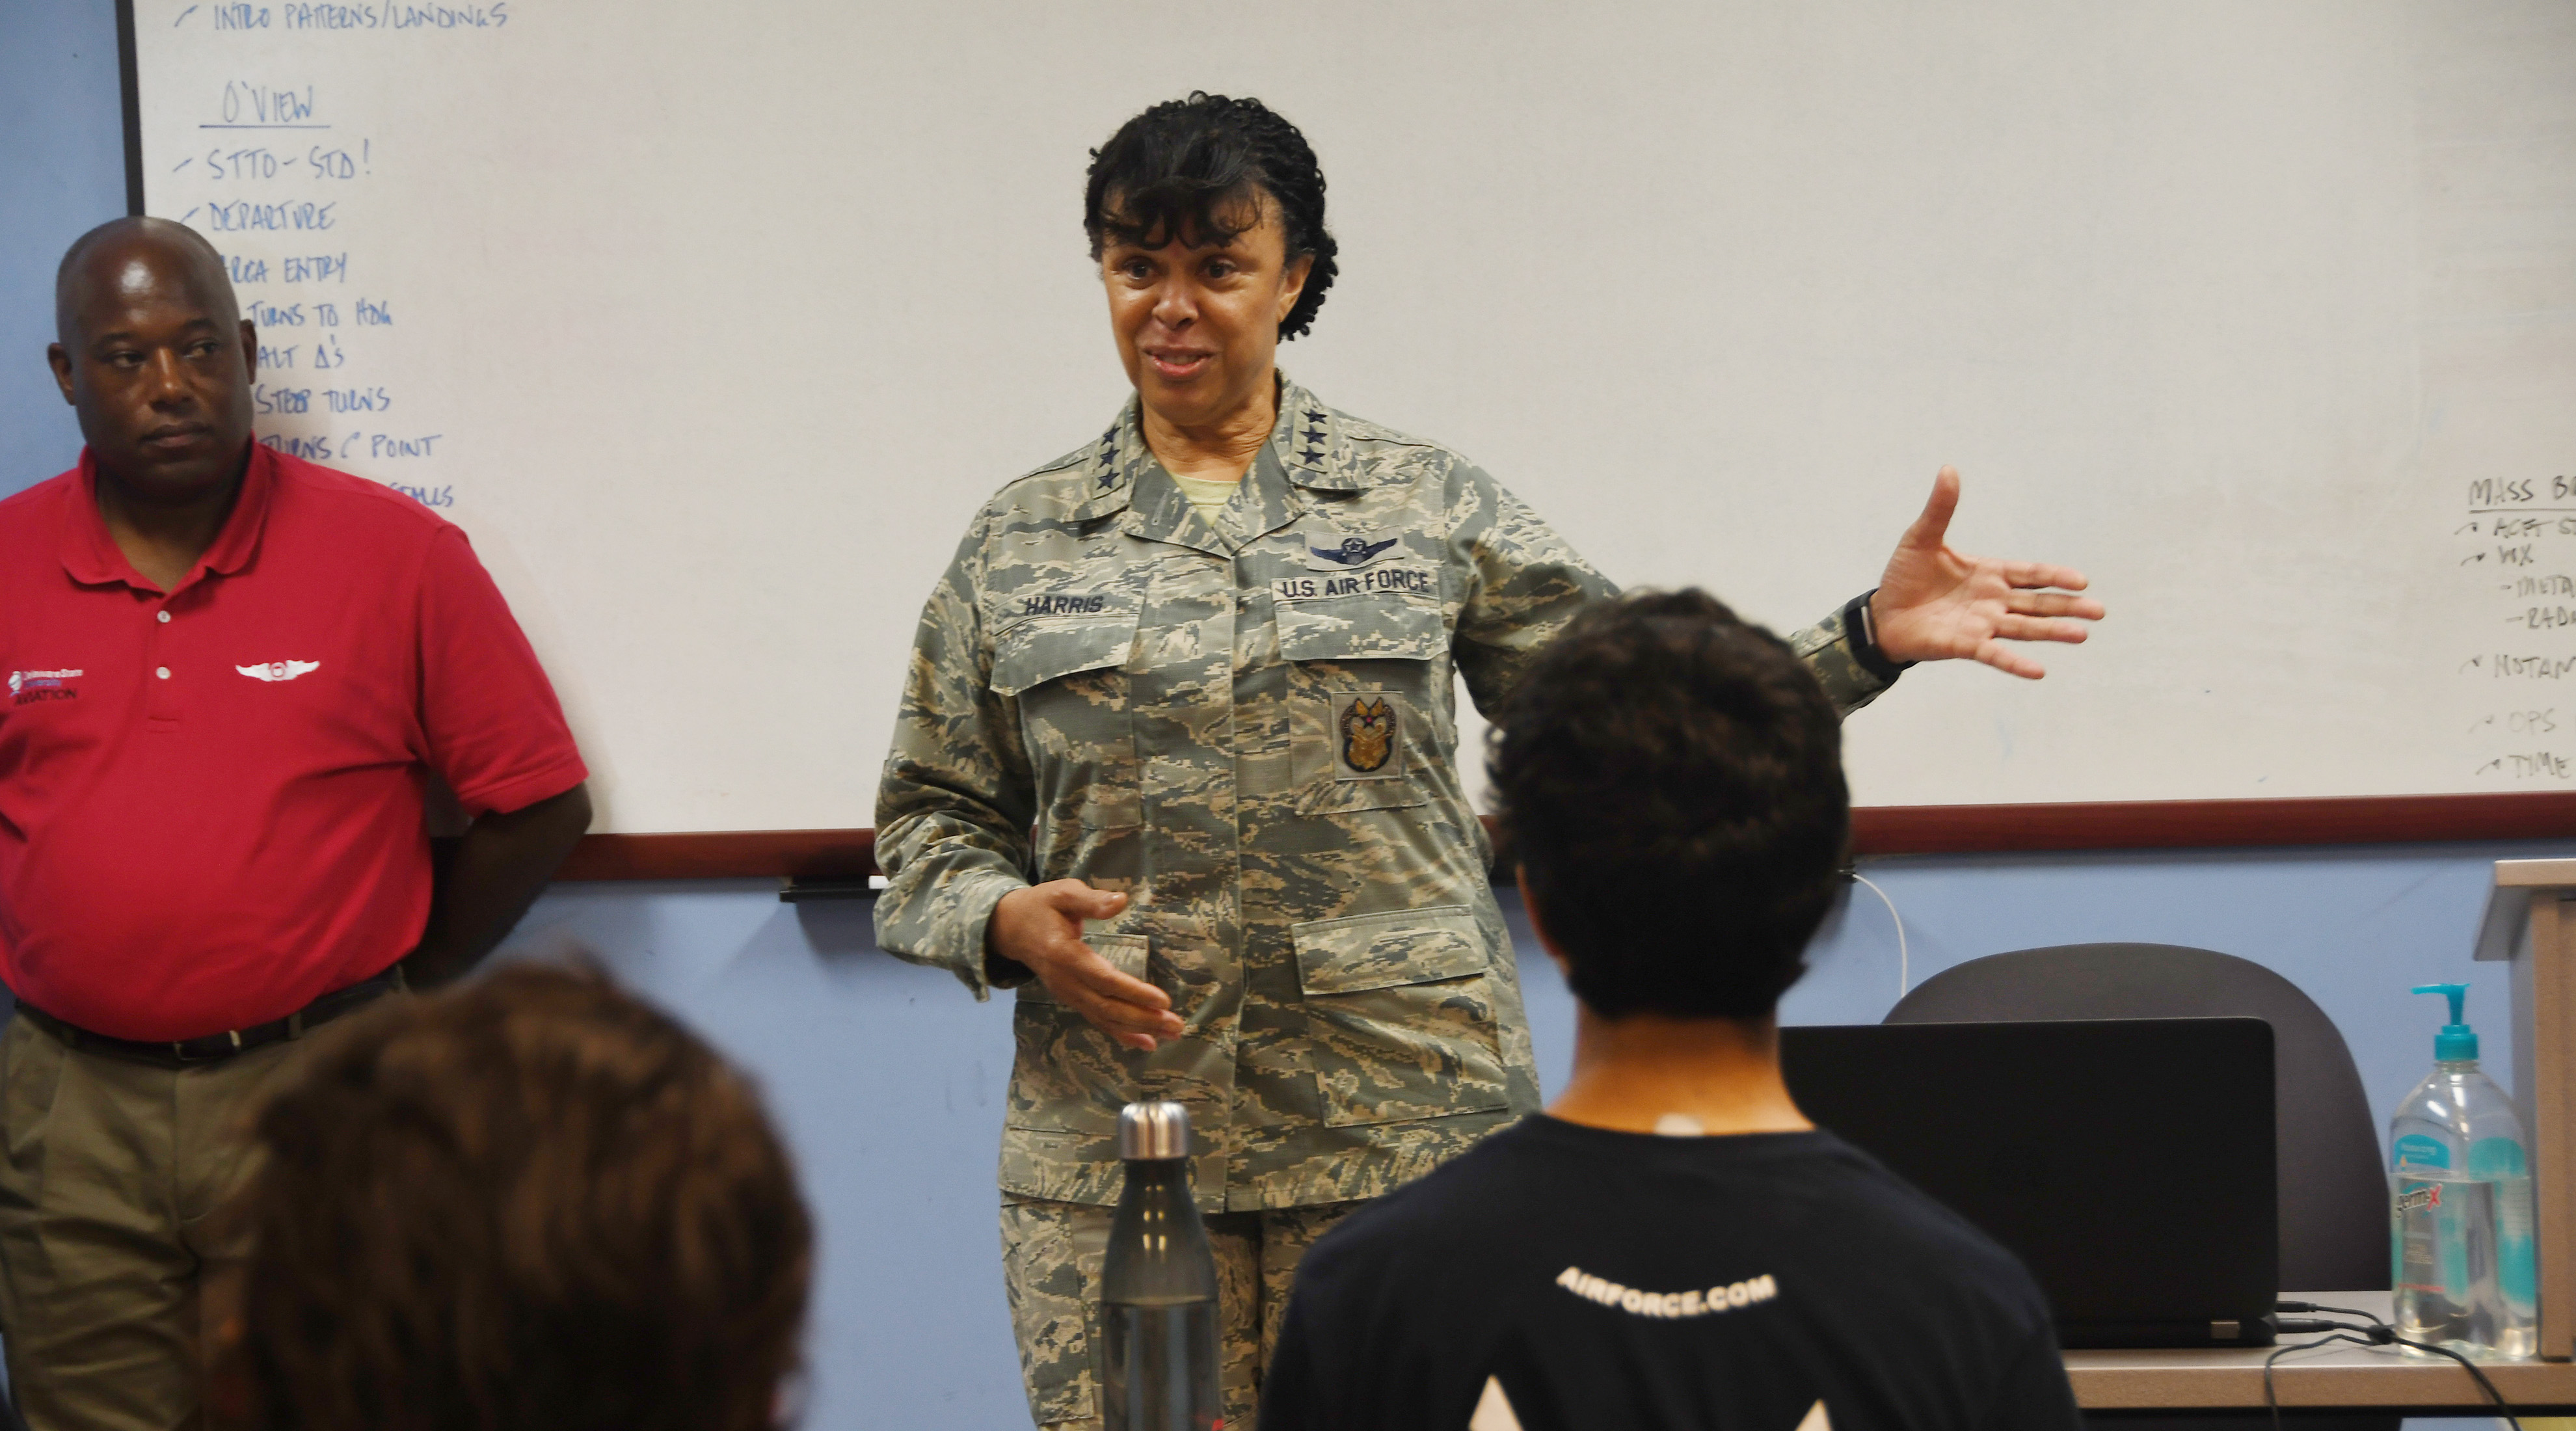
<point x="2378" y="1333"/>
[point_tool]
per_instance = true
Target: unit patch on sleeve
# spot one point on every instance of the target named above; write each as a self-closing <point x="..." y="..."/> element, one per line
<point x="1368" y="735"/>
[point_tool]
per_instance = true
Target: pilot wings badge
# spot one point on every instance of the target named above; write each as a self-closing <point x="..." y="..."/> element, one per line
<point x="278" y="670"/>
<point x="1365" y="746"/>
<point x="1350" y="553"/>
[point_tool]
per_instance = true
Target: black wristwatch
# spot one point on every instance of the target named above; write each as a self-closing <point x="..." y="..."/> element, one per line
<point x="1863" y="634"/>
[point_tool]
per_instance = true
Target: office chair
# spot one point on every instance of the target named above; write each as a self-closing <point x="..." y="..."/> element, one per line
<point x="2333" y="1190"/>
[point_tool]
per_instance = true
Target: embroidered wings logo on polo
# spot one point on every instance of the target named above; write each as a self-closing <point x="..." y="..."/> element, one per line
<point x="279" y="670"/>
<point x="1354" y="551"/>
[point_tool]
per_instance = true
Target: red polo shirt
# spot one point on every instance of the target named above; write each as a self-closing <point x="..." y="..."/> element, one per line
<point x="211" y="799"/>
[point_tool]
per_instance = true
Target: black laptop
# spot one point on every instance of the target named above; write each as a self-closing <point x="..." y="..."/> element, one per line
<point x="2127" y="1162"/>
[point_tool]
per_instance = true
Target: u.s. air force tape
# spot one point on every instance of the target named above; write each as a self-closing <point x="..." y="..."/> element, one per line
<point x="1405" y="579"/>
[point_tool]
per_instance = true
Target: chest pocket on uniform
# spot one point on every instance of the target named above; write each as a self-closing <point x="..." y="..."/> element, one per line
<point x="1402" y="1011"/>
<point x="1366" y="677"/>
<point x="1074" y="721"/>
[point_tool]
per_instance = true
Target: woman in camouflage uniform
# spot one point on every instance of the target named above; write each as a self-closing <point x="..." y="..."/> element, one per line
<point x="1177" y="756"/>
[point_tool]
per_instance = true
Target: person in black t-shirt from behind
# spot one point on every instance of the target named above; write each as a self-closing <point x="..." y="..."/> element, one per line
<point x="1671" y="1246"/>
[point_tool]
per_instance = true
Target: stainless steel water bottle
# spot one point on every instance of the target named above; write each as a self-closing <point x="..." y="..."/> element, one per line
<point x="1158" y="1351"/>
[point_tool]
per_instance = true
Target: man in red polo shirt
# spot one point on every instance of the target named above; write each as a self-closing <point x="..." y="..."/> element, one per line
<point x="233" y="676"/>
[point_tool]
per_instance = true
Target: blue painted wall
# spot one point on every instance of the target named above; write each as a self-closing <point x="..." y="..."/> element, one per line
<point x="888" y="1078"/>
<point x="62" y="169"/>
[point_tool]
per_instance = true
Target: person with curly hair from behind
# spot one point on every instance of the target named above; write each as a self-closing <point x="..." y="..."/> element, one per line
<point x="534" y="1203"/>
<point x="1671" y="1245"/>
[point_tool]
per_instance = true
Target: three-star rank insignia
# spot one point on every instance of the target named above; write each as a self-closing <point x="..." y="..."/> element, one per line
<point x="1313" y="438"/>
<point x="1367" y="739"/>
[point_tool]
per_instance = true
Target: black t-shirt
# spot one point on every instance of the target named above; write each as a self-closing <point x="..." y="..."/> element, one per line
<point x="1764" y="1282"/>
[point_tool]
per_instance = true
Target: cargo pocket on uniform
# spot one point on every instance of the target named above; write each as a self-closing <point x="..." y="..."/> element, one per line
<point x="1052" y="1256"/>
<point x="1067" y="1076"/>
<point x="1400" y="1009"/>
<point x="1362" y="733"/>
<point x="1074" y="719"/>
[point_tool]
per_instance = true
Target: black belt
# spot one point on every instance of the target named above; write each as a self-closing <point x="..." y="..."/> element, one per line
<point x="216" y="1047"/>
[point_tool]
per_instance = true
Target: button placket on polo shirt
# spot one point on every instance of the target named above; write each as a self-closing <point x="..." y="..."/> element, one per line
<point x="163" y="669"/>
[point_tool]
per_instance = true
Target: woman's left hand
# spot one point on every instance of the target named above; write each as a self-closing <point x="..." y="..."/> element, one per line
<point x="1937" y="604"/>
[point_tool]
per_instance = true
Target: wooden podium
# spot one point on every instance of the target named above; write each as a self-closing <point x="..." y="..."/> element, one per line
<point x="2531" y="923"/>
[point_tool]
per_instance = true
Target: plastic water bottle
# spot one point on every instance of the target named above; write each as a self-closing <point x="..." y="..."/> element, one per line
<point x="2460" y="1209"/>
<point x="1158" y="1353"/>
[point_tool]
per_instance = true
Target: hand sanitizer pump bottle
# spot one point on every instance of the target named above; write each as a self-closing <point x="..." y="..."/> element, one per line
<point x="1158" y="1359"/>
<point x="2460" y="1209"/>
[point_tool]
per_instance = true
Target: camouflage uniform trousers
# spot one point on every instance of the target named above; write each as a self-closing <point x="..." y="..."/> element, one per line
<point x="1051" y="1259"/>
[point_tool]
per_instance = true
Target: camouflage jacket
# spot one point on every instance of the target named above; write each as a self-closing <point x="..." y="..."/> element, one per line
<point x="1248" y="726"/>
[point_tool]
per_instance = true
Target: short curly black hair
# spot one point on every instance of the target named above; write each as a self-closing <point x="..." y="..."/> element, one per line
<point x="1187" y="165"/>
<point x="1671" y="782"/>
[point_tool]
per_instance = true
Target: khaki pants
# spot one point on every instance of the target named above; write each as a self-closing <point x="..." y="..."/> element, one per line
<point x="1051" y="1258"/>
<point x="111" y="1170"/>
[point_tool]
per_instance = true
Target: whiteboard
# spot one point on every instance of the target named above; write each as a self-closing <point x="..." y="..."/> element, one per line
<point x="713" y="324"/>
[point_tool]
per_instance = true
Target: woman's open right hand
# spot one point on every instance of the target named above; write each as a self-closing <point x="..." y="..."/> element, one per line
<point x="1041" y="928"/>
